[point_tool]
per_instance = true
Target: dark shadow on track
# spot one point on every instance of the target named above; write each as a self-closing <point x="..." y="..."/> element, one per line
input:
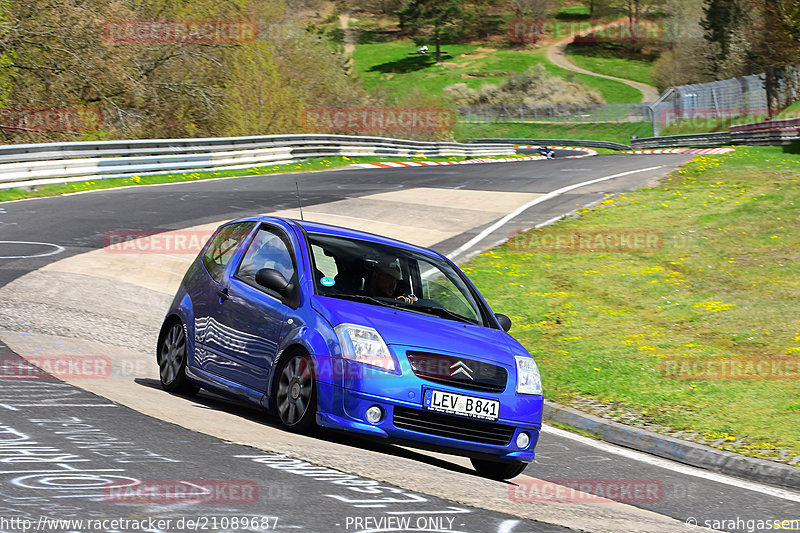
<point x="210" y="400"/>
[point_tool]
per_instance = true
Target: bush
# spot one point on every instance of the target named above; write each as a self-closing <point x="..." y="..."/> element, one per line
<point x="534" y="87"/>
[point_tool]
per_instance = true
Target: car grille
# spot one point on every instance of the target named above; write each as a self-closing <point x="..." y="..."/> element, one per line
<point x="453" y="427"/>
<point x="458" y="371"/>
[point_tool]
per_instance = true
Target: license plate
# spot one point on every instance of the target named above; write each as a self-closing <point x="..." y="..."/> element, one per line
<point x="459" y="404"/>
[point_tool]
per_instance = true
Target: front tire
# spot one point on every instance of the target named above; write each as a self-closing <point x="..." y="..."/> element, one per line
<point x="499" y="470"/>
<point x="171" y="358"/>
<point x="296" y="396"/>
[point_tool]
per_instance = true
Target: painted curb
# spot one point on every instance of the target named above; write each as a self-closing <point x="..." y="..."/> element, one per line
<point x="682" y="451"/>
<point x="589" y="151"/>
<point x="693" y="151"/>
<point x="393" y="164"/>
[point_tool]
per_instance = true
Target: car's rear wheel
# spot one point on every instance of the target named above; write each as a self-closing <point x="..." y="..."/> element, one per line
<point x="499" y="470"/>
<point x="171" y="357"/>
<point x="296" y="396"/>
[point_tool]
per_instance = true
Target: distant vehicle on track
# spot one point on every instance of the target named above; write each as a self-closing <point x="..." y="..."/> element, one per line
<point x="547" y="152"/>
<point x="333" y="327"/>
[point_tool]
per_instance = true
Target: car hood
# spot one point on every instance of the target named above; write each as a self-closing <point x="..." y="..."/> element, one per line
<point x="425" y="332"/>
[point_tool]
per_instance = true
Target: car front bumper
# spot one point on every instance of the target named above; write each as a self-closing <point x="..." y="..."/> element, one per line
<point x="405" y="419"/>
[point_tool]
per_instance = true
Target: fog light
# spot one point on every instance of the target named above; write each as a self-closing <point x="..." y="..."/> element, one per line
<point x="523" y="440"/>
<point x="374" y="414"/>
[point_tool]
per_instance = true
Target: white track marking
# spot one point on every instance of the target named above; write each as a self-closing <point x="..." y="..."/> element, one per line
<point x="58" y="250"/>
<point x="549" y="196"/>
<point x="507" y="525"/>
<point x="674" y="466"/>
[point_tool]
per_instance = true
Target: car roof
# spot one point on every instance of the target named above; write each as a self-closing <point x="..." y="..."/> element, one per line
<point x="340" y="231"/>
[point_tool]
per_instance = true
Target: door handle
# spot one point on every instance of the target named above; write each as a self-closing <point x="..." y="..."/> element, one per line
<point x="223" y="295"/>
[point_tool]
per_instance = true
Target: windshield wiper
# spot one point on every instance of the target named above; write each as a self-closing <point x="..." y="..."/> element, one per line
<point x="367" y="299"/>
<point x="443" y="312"/>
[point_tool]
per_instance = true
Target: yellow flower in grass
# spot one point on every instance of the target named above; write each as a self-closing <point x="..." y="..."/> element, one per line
<point x="713" y="307"/>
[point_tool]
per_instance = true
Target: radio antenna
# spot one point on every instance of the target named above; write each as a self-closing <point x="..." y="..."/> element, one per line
<point x="297" y="188"/>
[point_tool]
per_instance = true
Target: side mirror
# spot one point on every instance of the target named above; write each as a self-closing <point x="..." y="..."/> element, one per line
<point x="503" y="320"/>
<point x="274" y="281"/>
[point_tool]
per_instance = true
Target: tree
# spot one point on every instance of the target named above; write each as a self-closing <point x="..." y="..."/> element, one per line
<point x="54" y="54"/>
<point x="538" y="9"/>
<point x="6" y="56"/>
<point x="480" y="16"/>
<point x="440" y="20"/>
<point x="598" y="7"/>
<point x="721" y="21"/>
<point x="270" y="103"/>
<point x="776" y="49"/>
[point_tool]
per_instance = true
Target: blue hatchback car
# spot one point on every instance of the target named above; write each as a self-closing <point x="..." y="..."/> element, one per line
<point x="333" y="327"/>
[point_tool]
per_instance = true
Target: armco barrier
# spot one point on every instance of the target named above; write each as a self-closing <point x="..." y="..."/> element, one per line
<point x="560" y="142"/>
<point x="770" y="133"/>
<point x="38" y="164"/>
<point x="785" y="124"/>
<point x="754" y="138"/>
<point x="694" y="139"/>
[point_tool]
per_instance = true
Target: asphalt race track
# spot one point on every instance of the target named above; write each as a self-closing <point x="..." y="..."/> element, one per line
<point x="62" y="442"/>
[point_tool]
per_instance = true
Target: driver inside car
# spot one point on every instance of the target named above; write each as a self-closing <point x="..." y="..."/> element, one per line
<point x="382" y="281"/>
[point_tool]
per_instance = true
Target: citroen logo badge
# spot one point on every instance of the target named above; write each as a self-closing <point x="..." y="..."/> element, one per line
<point x="459" y="367"/>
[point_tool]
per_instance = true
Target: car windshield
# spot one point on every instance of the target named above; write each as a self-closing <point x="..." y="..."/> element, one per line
<point x="379" y="274"/>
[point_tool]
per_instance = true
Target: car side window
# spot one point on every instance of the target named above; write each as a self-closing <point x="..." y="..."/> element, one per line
<point x="267" y="250"/>
<point x="222" y="247"/>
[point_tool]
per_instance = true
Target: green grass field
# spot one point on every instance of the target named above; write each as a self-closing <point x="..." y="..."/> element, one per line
<point x="614" y="132"/>
<point x="598" y="60"/>
<point x="723" y="284"/>
<point x="793" y="111"/>
<point x="391" y="66"/>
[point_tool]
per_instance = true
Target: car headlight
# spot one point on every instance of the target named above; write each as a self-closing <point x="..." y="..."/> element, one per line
<point x="365" y="345"/>
<point x="528" y="379"/>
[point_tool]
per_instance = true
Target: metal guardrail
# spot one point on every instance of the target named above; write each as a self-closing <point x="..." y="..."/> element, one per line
<point x="557" y="142"/>
<point x="784" y="124"/>
<point x="781" y="135"/>
<point x="694" y="139"/>
<point x="566" y="114"/>
<point x="39" y="164"/>
<point x="763" y="138"/>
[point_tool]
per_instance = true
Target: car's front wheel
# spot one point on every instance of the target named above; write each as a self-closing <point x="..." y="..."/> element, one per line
<point x="171" y="357"/>
<point x="500" y="470"/>
<point x="296" y="397"/>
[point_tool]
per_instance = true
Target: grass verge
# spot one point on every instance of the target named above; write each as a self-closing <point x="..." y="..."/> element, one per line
<point x="614" y="132"/>
<point x="605" y="327"/>
<point x="300" y="166"/>
<point x="597" y="59"/>
<point x="793" y="111"/>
